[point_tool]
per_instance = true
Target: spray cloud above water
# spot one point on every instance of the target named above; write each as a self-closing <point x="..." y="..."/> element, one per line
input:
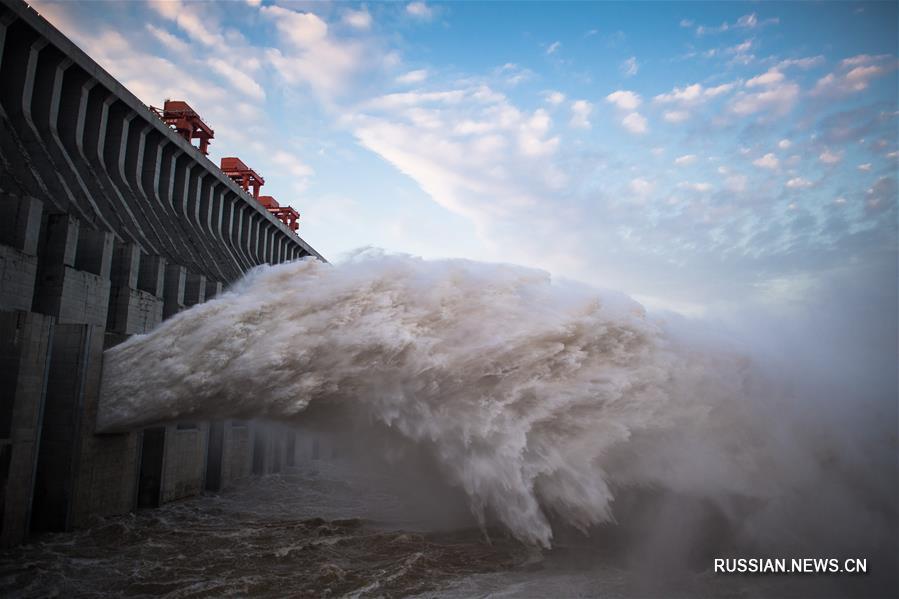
<point x="539" y="399"/>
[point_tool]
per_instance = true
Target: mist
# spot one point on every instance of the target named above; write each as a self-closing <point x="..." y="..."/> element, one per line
<point x="554" y="411"/>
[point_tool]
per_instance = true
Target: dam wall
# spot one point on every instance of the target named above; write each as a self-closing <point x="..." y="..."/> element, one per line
<point x="110" y="223"/>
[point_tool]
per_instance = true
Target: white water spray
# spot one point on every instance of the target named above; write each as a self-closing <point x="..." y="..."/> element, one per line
<point x="538" y="399"/>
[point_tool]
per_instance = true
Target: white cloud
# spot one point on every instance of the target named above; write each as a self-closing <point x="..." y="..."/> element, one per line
<point x="698" y="187"/>
<point x="471" y="127"/>
<point x="472" y="150"/>
<point x="187" y="17"/>
<point x="310" y="54"/>
<point x="555" y="98"/>
<point x="168" y="10"/>
<point x="416" y="76"/>
<point x="741" y="48"/>
<point x="862" y="59"/>
<point x="169" y="40"/>
<point x="768" y="161"/>
<point x="625" y="100"/>
<point x="630" y="67"/>
<point x="799" y="183"/>
<point x="693" y="95"/>
<point x="635" y="123"/>
<point x="238" y="79"/>
<point x="714" y="92"/>
<point x="553" y="47"/>
<point x="302" y="29"/>
<point x="853" y="75"/>
<point x="769" y="78"/>
<point x="828" y="157"/>
<point x="358" y="19"/>
<point x="580" y="114"/>
<point x="865" y="167"/>
<point x="784" y="144"/>
<point x="640" y="187"/>
<point x="410" y="99"/>
<point x="420" y="10"/>
<point x="294" y="165"/>
<point x="676" y="116"/>
<point x="685" y="160"/>
<point x="777" y="99"/>
<point x="532" y="133"/>
<point x="736" y="183"/>
<point x="513" y="73"/>
<point x="750" y="21"/>
<point x="683" y="95"/>
<point x="802" y="63"/>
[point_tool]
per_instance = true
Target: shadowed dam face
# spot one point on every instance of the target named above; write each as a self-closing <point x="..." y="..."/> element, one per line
<point x="542" y="401"/>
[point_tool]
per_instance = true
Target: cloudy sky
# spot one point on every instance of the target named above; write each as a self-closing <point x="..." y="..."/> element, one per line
<point x="693" y="155"/>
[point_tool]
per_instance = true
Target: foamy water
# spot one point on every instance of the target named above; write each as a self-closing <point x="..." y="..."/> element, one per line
<point x="541" y="401"/>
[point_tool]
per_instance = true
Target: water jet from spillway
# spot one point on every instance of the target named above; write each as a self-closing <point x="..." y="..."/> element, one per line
<point x="538" y="399"/>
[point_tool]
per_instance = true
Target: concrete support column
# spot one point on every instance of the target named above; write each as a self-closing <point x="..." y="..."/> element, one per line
<point x="185" y="460"/>
<point x="125" y="265"/>
<point x="213" y="289"/>
<point x="60" y="239"/>
<point x="63" y="411"/>
<point x="131" y="309"/>
<point x="194" y="289"/>
<point x="25" y="340"/>
<point x="20" y="226"/>
<point x="20" y="222"/>
<point x="173" y="294"/>
<point x="94" y="253"/>
<point x="151" y="277"/>
<point x="236" y="451"/>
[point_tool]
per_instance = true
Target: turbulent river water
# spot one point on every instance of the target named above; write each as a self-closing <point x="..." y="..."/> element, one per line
<point x="553" y="441"/>
<point x="329" y="528"/>
<point x="335" y="528"/>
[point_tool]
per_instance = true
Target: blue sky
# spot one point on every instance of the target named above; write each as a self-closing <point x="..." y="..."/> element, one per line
<point x="699" y="156"/>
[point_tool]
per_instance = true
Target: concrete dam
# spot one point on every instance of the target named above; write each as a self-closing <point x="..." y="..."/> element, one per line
<point x="111" y="221"/>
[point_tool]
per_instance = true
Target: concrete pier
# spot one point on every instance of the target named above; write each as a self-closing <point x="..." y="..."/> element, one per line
<point x="110" y="223"/>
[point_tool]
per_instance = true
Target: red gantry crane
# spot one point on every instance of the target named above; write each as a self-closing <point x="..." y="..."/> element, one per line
<point x="243" y="175"/>
<point x="188" y="124"/>
<point x="286" y="214"/>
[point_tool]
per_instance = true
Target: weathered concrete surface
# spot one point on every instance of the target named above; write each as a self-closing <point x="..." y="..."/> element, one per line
<point x="133" y="310"/>
<point x="74" y="353"/>
<point x="185" y="460"/>
<point x="20" y="225"/>
<point x="237" y="454"/>
<point x="228" y="454"/>
<point x="25" y="340"/>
